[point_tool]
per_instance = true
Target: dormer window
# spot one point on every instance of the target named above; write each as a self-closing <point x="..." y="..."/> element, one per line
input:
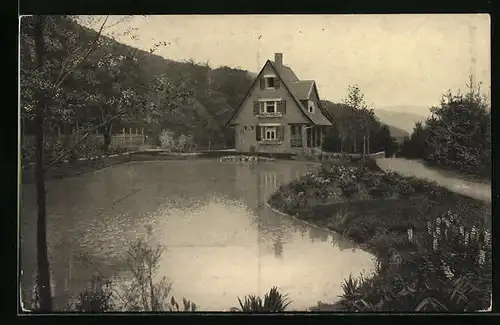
<point x="311" y="106"/>
<point x="270" y="82"/>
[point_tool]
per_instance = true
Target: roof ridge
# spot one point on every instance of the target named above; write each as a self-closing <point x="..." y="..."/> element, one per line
<point x="303" y="80"/>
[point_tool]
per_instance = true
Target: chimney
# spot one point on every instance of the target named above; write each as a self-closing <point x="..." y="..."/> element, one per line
<point x="278" y="60"/>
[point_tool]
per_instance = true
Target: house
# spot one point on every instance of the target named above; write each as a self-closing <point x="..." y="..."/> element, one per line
<point x="280" y="113"/>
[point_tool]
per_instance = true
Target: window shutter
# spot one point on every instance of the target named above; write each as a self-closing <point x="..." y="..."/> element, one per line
<point x="277" y="82"/>
<point x="257" y="133"/>
<point x="283" y="107"/>
<point x="262" y="83"/>
<point x="280" y="133"/>
<point x="256" y="107"/>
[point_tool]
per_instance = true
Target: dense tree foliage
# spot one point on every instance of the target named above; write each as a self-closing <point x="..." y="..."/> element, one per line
<point x="74" y="78"/>
<point x="127" y="85"/>
<point x="457" y="135"/>
<point x="355" y="123"/>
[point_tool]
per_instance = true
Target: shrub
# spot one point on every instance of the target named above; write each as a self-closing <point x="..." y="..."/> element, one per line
<point x="167" y="140"/>
<point x="140" y="291"/>
<point x="348" y="189"/>
<point x="187" y="305"/>
<point x="381" y="190"/>
<point x="406" y="189"/>
<point x="443" y="268"/>
<point x="95" y="298"/>
<point x="273" y="301"/>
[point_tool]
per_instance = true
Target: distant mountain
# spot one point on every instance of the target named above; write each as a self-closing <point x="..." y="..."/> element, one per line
<point x="401" y="120"/>
<point x="397" y="133"/>
<point x="337" y="111"/>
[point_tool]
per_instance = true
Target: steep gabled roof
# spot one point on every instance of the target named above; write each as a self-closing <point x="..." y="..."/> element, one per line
<point x="286" y="73"/>
<point x="284" y="82"/>
<point x="321" y="108"/>
<point x="291" y="82"/>
<point x="302" y="88"/>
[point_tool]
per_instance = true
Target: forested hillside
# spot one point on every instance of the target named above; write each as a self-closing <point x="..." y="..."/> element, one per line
<point x="185" y="97"/>
<point x="142" y="89"/>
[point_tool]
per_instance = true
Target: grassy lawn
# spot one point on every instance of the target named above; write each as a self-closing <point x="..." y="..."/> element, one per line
<point x="433" y="247"/>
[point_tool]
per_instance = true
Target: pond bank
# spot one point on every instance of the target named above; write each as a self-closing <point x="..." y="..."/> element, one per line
<point x="397" y="226"/>
<point x="83" y="166"/>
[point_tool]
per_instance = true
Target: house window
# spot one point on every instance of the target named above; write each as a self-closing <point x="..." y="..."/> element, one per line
<point x="270" y="82"/>
<point x="268" y="132"/>
<point x="270" y="107"/>
<point x="246" y="128"/>
<point x="311" y="107"/>
<point x="251" y="128"/>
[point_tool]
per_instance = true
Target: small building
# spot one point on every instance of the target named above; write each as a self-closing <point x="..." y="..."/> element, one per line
<point x="280" y="113"/>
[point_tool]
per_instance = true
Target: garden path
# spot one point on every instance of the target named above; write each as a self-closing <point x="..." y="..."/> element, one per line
<point x="454" y="182"/>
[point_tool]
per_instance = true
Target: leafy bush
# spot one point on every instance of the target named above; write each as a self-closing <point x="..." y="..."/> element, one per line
<point x="95" y="298"/>
<point x="140" y="291"/>
<point x="406" y="189"/>
<point x="381" y="190"/>
<point x="187" y="305"/>
<point x="273" y="302"/>
<point x="457" y="135"/>
<point x="348" y="189"/>
<point x="443" y="268"/>
<point x="167" y="140"/>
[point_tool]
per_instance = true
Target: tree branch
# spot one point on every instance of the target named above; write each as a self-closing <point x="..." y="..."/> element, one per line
<point x="87" y="133"/>
<point x="65" y="62"/>
<point x="92" y="46"/>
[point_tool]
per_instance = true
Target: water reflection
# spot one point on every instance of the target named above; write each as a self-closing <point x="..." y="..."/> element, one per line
<point x="222" y="241"/>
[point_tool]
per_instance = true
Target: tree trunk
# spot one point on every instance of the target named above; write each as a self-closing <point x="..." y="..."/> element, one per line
<point x="355" y="149"/>
<point x="107" y="138"/>
<point x="43" y="271"/>
<point x="368" y="143"/>
<point x="364" y="151"/>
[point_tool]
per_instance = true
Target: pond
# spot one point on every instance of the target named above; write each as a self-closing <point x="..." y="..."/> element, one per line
<point x="222" y="241"/>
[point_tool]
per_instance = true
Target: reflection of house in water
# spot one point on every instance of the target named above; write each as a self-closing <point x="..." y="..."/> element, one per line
<point x="245" y="184"/>
<point x="278" y="245"/>
<point x="257" y="183"/>
<point x="268" y="183"/>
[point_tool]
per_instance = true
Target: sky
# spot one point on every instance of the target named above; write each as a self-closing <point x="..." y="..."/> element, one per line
<point x="396" y="60"/>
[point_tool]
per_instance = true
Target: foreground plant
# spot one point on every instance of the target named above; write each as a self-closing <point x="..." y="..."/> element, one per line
<point x="141" y="291"/>
<point x="446" y="267"/>
<point x="273" y="301"/>
<point x="96" y="297"/>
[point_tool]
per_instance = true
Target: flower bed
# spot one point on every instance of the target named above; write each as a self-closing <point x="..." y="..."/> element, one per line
<point x="432" y="246"/>
<point x="244" y="159"/>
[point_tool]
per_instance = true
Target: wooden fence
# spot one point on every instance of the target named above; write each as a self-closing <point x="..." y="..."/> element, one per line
<point x="338" y="155"/>
<point x="132" y="140"/>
